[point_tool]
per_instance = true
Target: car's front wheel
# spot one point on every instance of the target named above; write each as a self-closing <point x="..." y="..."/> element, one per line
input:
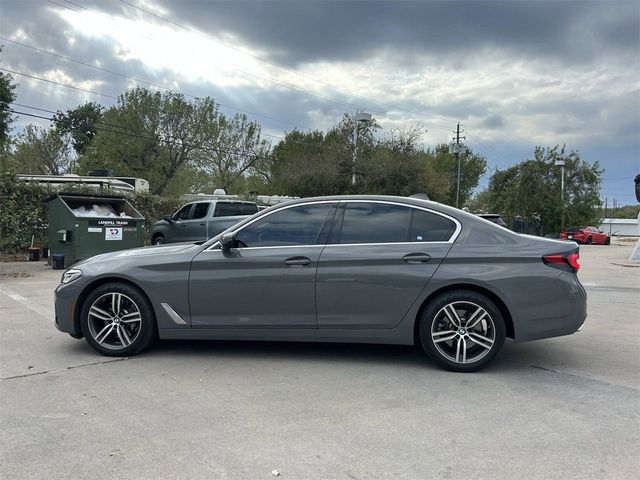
<point x="117" y="320"/>
<point x="159" y="240"/>
<point x="462" y="330"/>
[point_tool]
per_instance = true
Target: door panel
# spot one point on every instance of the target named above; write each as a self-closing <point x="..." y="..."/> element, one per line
<point x="373" y="286"/>
<point x="380" y="256"/>
<point x="254" y="287"/>
<point x="268" y="278"/>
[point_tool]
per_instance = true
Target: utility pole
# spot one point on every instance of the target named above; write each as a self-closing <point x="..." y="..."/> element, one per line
<point x="360" y="117"/>
<point x="560" y="163"/>
<point x="457" y="149"/>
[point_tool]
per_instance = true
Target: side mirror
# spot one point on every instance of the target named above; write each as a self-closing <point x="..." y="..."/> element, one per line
<point x="167" y="218"/>
<point x="227" y="240"/>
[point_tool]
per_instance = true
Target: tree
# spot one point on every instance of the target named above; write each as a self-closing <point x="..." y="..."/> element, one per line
<point x="311" y="163"/>
<point x="396" y="166"/>
<point x="7" y="96"/>
<point x="40" y="151"/>
<point x="152" y="135"/>
<point x="81" y="123"/>
<point x="534" y="187"/>
<point x="233" y="150"/>
<point x="472" y="167"/>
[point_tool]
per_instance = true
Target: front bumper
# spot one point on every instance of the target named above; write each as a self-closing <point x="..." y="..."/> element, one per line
<point x="65" y="298"/>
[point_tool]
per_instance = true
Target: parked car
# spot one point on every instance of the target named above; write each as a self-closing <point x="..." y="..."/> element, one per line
<point x="588" y="235"/>
<point x="493" y="218"/>
<point x="370" y="269"/>
<point x="199" y="221"/>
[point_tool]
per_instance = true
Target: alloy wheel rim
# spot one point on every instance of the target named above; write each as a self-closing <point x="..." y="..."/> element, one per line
<point x="463" y="332"/>
<point x="114" y="321"/>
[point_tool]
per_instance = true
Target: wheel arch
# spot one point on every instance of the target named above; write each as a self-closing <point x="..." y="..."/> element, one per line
<point x="86" y="291"/>
<point x="506" y="314"/>
<point x="155" y="235"/>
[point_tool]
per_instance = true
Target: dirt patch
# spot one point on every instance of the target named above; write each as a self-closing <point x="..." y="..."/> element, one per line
<point x="17" y="274"/>
<point x="16" y="257"/>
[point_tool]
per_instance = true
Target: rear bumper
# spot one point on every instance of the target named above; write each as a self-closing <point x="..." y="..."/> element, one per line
<point x="564" y="311"/>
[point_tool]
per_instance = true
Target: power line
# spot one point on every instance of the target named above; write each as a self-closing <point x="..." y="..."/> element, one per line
<point x="58" y="83"/>
<point x="122" y="75"/>
<point x="286" y="85"/>
<point x="487" y="146"/>
<point x="128" y="133"/>
<point x="277" y="137"/>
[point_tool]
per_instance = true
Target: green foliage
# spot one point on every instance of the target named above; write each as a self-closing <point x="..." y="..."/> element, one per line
<point x="22" y="214"/>
<point x="395" y="166"/>
<point x="153" y="207"/>
<point x="472" y="167"/>
<point x="80" y="123"/>
<point x="42" y="152"/>
<point x="533" y="187"/>
<point x="151" y="135"/>
<point x="313" y="163"/>
<point x="7" y="95"/>
<point x="626" y="211"/>
<point x="232" y="149"/>
<point x="310" y="164"/>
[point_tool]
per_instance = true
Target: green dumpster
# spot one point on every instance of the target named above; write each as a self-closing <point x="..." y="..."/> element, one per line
<point x="81" y="226"/>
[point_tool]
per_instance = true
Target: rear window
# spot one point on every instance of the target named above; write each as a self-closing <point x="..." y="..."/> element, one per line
<point x="230" y="209"/>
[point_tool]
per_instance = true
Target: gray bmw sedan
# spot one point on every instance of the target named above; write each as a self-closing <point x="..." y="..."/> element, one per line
<point x="372" y="269"/>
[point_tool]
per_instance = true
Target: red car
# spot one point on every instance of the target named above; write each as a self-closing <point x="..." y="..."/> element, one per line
<point x="588" y="235"/>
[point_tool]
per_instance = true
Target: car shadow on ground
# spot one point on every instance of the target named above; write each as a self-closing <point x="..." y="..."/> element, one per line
<point x="291" y="351"/>
<point x="512" y="358"/>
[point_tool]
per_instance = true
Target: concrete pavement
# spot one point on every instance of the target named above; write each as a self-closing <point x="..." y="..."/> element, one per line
<point x="561" y="408"/>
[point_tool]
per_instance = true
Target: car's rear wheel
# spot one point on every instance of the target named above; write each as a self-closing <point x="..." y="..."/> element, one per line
<point x="117" y="320"/>
<point x="159" y="240"/>
<point x="462" y="330"/>
<point x="607" y="241"/>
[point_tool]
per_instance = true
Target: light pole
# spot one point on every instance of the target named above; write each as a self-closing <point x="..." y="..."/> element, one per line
<point x="560" y="163"/>
<point x="360" y="117"/>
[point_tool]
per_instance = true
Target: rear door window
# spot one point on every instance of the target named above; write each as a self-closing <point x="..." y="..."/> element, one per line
<point x="375" y="223"/>
<point x="230" y="209"/>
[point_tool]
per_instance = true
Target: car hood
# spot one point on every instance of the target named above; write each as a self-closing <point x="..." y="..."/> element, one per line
<point x="139" y="252"/>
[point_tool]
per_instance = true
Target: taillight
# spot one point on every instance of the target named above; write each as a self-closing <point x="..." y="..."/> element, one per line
<point x="563" y="261"/>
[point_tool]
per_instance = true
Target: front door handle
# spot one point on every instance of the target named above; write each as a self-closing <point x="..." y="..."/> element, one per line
<point x="202" y="224"/>
<point x="416" y="257"/>
<point x="300" y="261"/>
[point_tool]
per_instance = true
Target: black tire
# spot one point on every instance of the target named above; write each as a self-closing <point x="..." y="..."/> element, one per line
<point x="589" y="240"/>
<point x="607" y="241"/>
<point x="491" y="327"/>
<point x="127" y="328"/>
<point x="158" y="240"/>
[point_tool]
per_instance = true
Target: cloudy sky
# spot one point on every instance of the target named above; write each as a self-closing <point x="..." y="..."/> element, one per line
<point x="515" y="74"/>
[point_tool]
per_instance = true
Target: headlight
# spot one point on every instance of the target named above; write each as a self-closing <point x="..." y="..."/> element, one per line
<point x="71" y="275"/>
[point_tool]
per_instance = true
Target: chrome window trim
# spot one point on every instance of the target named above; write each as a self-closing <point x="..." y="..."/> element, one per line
<point x="452" y="239"/>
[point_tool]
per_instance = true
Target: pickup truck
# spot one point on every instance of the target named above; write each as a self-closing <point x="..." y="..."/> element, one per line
<point x="198" y="221"/>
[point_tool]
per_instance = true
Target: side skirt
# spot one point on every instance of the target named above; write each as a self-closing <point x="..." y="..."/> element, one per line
<point x="398" y="336"/>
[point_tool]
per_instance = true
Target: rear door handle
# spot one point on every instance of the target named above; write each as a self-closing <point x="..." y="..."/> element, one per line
<point x="202" y="224"/>
<point x="416" y="257"/>
<point x="300" y="261"/>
